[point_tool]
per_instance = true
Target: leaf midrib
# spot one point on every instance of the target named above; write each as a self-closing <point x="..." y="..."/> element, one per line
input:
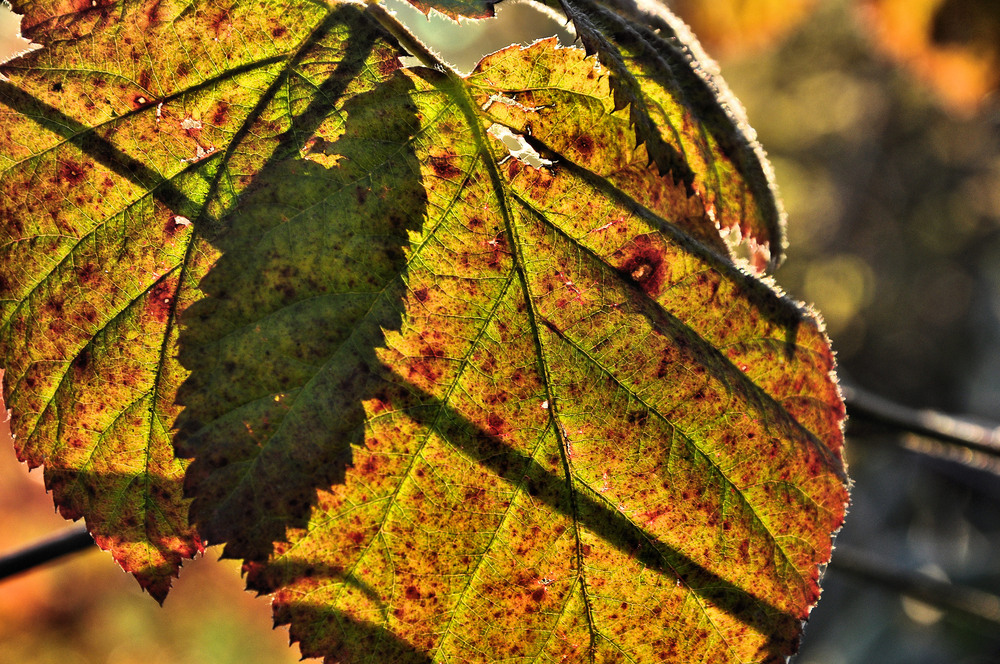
<point x="472" y="114"/>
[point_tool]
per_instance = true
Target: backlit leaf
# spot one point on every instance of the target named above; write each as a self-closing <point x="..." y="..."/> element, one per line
<point x="462" y="376"/>
<point x="589" y="433"/>
<point x="678" y="100"/>
<point x="112" y="158"/>
<point x="692" y="127"/>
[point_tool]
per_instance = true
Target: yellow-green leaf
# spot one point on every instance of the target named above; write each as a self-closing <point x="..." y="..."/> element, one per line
<point x="590" y="436"/>
<point x="462" y="376"/>
<point x="693" y="127"/>
<point x="122" y="144"/>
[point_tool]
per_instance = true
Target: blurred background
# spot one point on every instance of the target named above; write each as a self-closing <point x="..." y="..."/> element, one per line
<point x="882" y="120"/>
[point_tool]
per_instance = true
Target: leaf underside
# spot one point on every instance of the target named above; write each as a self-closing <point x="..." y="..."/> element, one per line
<point x="446" y="405"/>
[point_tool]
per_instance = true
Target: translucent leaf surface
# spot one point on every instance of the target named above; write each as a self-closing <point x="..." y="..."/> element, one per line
<point x="684" y="112"/>
<point x="462" y="376"/>
<point x="693" y="129"/>
<point x="589" y="434"/>
<point x="125" y="140"/>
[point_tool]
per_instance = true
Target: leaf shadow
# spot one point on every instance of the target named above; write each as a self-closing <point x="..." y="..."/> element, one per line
<point x="309" y="277"/>
<point x="522" y="472"/>
<point x="282" y="354"/>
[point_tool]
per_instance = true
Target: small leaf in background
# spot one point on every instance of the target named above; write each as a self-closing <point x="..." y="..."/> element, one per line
<point x="953" y="45"/>
<point x="728" y="27"/>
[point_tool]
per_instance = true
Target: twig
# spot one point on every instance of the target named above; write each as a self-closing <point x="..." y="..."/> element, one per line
<point x="407" y="39"/>
<point x="970" y="602"/>
<point x="863" y="405"/>
<point x="71" y="540"/>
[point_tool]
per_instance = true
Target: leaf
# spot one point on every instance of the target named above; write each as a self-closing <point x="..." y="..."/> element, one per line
<point x="445" y="404"/>
<point x="109" y="155"/>
<point x="91" y="275"/>
<point x="681" y="106"/>
<point x="280" y="349"/>
<point x="580" y="409"/>
<point x="693" y="128"/>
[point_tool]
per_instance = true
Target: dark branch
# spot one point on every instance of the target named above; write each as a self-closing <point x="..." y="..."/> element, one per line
<point x="71" y="540"/>
<point x="863" y="405"/>
<point x="969" y="602"/>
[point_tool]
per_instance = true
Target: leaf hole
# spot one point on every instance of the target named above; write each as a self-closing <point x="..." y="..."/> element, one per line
<point x="517" y="147"/>
<point x="12" y="44"/>
<point x="464" y="42"/>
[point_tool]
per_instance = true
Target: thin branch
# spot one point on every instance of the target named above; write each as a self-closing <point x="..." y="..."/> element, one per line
<point x="863" y="405"/>
<point x="407" y="39"/>
<point x="969" y="602"/>
<point x="69" y="541"/>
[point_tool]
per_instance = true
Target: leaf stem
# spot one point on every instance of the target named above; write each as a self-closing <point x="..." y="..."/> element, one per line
<point x="866" y="406"/>
<point x="969" y="602"/>
<point x="407" y="39"/>
<point x="69" y="541"/>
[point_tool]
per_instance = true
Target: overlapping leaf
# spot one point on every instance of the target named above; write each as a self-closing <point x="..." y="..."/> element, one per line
<point x="693" y="128"/>
<point x="582" y="410"/>
<point x="446" y="404"/>
<point x="124" y="141"/>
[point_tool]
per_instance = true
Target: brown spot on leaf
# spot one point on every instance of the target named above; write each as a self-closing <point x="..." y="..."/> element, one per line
<point x="443" y="168"/>
<point x="82" y="361"/>
<point x="495" y="424"/>
<point x="643" y="265"/>
<point x="220" y="114"/>
<point x="71" y="173"/>
<point x="161" y="297"/>
<point x="638" y="417"/>
<point x="387" y="66"/>
<point x="585" y="146"/>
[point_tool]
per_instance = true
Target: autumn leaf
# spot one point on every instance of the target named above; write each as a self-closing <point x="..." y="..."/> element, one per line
<point x="953" y="45"/>
<point x="110" y="159"/>
<point x="692" y="127"/>
<point x="460" y="374"/>
<point x="739" y="26"/>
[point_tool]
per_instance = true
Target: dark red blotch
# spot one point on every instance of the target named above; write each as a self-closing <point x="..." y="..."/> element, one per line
<point x="643" y="265"/>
